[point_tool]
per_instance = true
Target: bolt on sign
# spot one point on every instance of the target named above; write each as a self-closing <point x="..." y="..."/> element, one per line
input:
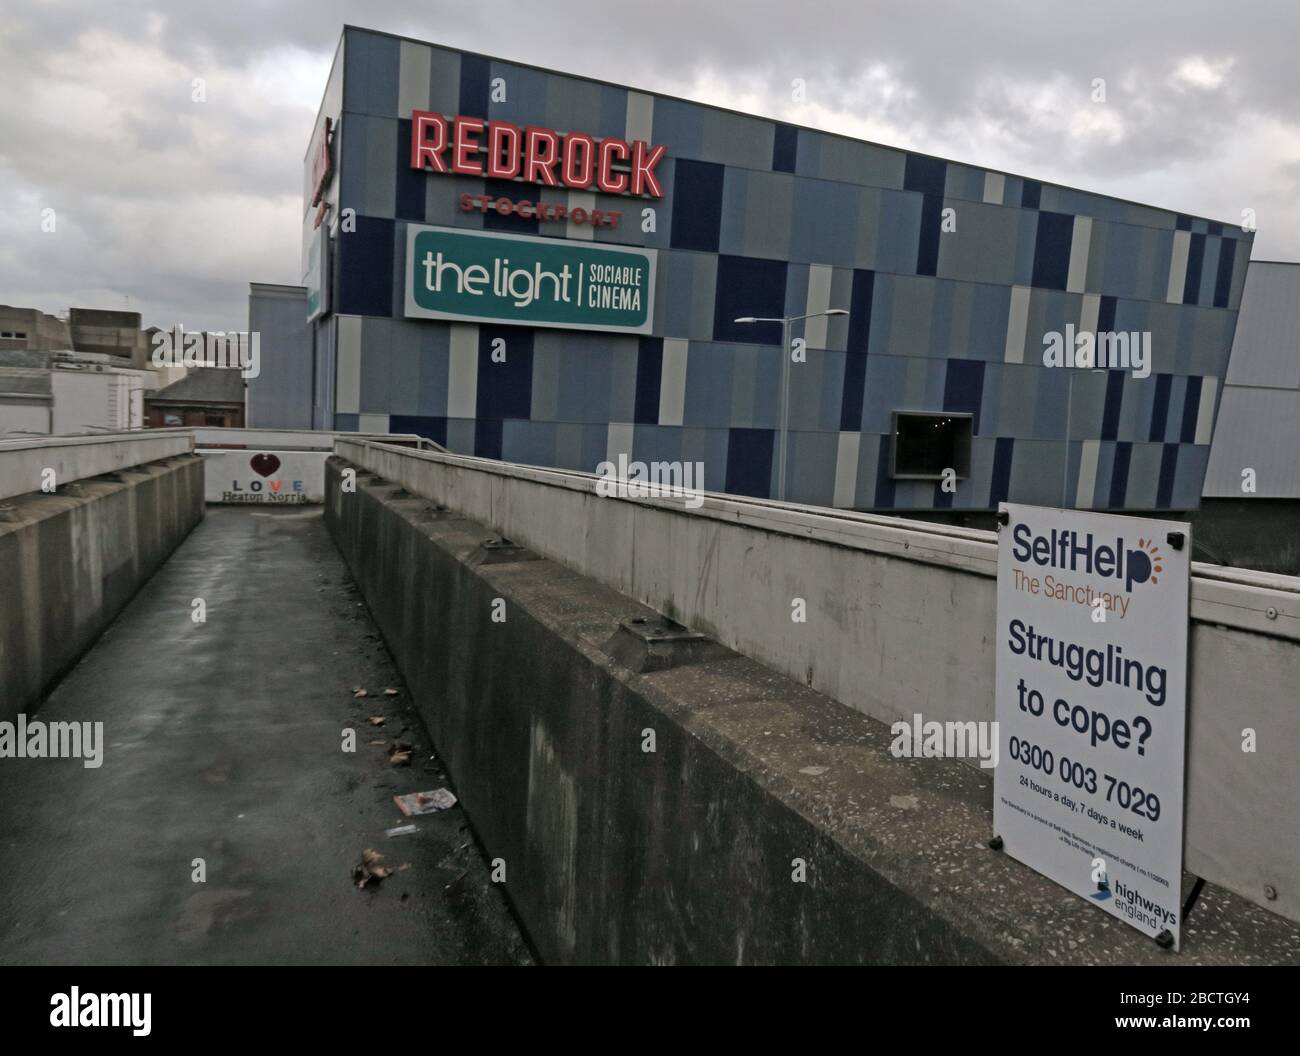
<point x="1092" y="626"/>
<point x="489" y="277"/>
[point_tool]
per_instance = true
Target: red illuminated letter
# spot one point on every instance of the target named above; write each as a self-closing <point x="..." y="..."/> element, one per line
<point x="579" y="159"/>
<point x="428" y="140"/>
<point x="465" y="146"/>
<point x="643" y="164"/>
<point x="605" y="178"/>
<point x="503" y="139"/>
<point x="541" y="149"/>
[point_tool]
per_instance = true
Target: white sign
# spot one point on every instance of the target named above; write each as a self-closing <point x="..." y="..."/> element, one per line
<point x="1092" y="706"/>
<point x="317" y="279"/>
<point x="246" y="475"/>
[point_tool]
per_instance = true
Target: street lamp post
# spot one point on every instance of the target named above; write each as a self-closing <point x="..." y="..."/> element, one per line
<point x="785" y="382"/>
<point x="1069" y="410"/>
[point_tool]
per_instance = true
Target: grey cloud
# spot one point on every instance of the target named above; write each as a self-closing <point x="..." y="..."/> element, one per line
<point x="176" y="206"/>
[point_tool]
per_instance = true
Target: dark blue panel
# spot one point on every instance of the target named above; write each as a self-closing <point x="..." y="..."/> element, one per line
<point x="1114" y="402"/>
<point x="697" y="205"/>
<point x="366" y="268"/>
<point x="1052" y="250"/>
<point x="942" y="499"/>
<point x="1160" y="407"/>
<point x="1184" y="223"/>
<point x="1168" y="468"/>
<point x="1119" y="474"/>
<point x="516" y="192"/>
<point x="1195" y="260"/>
<point x="408" y="200"/>
<point x="431" y="428"/>
<point x="1000" y="484"/>
<point x="884" y="482"/>
<point x="748" y="286"/>
<point x="785" y="148"/>
<point x="474" y="81"/>
<point x="505" y="390"/>
<point x="1106" y="315"/>
<point x="963" y="388"/>
<point x="649" y="376"/>
<point x="1191" y="405"/>
<point x="487" y="437"/>
<point x="1223" y="278"/>
<point x="1031" y="194"/>
<point x="1216" y="228"/>
<point x="927" y="242"/>
<point x="749" y="462"/>
<point x="855" y="361"/>
<point x="927" y="175"/>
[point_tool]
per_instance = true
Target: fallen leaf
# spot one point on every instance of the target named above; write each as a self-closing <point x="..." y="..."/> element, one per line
<point x="376" y="720"/>
<point x="390" y="692"/>
<point x="358" y="693"/>
<point x="369" y="869"/>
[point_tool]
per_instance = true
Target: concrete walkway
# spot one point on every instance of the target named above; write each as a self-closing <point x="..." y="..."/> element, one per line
<point x="223" y="742"/>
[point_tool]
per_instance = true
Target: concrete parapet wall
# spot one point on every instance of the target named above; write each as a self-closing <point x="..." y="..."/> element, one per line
<point x="70" y="561"/>
<point x="24" y="463"/>
<point x="690" y="852"/>
<point x="900" y="620"/>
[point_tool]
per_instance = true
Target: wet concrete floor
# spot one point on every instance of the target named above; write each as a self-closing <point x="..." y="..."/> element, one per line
<point x="223" y="742"/>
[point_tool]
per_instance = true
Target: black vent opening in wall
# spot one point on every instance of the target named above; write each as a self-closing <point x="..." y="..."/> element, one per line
<point x="926" y="444"/>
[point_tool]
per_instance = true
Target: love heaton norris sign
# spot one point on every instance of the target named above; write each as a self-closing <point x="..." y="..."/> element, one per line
<point x="478" y="276"/>
<point x="499" y="150"/>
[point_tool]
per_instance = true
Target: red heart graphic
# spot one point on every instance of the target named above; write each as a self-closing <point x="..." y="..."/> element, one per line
<point x="264" y="465"/>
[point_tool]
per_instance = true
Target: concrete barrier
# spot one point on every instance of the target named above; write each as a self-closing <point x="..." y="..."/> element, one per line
<point x="708" y="810"/>
<point x="900" y="620"/>
<point x="24" y="464"/>
<point x="70" y="561"/>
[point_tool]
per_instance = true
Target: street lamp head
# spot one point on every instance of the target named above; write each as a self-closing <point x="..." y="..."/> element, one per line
<point x="747" y="319"/>
<point x="836" y="311"/>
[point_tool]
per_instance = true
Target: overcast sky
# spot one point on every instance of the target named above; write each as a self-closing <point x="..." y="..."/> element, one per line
<point x="171" y="207"/>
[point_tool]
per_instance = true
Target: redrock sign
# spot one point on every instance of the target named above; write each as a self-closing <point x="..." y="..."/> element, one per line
<point x="471" y="146"/>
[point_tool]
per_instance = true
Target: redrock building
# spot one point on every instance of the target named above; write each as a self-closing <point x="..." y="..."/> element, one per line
<point x="533" y="266"/>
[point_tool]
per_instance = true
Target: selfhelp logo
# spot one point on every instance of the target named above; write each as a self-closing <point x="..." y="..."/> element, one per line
<point x="76" y="1009"/>
<point x="455" y="274"/>
<point x="1079" y="552"/>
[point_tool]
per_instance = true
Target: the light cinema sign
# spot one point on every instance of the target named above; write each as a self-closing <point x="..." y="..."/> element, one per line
<point x="499" y="150"/>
